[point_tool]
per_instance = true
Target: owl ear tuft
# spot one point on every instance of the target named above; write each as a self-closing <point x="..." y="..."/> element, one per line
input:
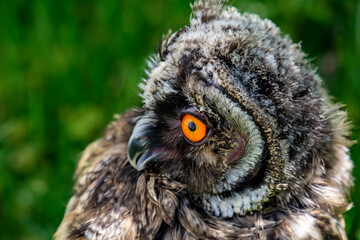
<point x="163" y="47"/>
<point x="207" y="10"/>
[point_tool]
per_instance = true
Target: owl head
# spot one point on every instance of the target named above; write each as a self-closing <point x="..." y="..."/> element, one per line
<point x="233" y="110"/>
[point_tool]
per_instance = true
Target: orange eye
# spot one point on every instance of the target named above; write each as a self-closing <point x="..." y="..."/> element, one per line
<point x="193" y="128"/>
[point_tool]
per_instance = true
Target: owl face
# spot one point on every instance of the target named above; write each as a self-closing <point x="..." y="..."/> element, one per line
<point x="230" y="107"/>
<point x="177" y="137"/>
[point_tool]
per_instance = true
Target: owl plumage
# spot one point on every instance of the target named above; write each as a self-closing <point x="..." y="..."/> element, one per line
<point x="272" y="164"/>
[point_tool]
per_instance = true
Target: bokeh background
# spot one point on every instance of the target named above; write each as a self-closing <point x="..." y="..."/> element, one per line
<point x="67" y="66"/>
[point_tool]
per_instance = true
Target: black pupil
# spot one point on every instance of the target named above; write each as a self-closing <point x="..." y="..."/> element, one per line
<point x="191" y="126"/>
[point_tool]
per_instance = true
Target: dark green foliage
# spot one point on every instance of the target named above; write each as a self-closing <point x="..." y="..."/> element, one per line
<point x="67" y="66"/>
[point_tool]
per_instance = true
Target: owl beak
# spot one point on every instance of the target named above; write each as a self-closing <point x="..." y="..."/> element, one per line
<point x="139" y="153"/>
<point x="135" y="151"/>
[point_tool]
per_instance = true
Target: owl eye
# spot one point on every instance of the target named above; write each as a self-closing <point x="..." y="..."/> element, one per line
<point x="193" y="129"/>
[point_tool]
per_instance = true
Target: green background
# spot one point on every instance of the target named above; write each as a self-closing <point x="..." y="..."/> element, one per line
<point x="67" y="66"/>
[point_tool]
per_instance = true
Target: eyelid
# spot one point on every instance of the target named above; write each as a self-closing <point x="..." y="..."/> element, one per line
<point x="193" y="112"/>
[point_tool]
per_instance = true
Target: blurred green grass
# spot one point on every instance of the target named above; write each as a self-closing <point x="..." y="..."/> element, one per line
<point x="67" y="66"/>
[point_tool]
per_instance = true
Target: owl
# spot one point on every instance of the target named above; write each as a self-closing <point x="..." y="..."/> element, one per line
<point x="236" y="139"/>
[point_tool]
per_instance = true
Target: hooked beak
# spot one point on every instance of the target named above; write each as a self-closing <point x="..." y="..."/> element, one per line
<point x="139" y="153"/>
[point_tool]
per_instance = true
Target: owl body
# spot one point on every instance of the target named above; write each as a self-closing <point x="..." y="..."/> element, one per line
<point x="263" y="156"/>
